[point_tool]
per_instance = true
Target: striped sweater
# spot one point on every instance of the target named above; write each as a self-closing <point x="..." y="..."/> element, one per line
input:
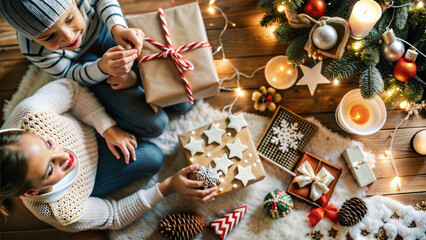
<point x="59" y="63"/>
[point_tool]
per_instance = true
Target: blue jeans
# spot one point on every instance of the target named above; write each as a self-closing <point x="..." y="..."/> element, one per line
<point x="129" y="109"/>
<point x="113" y="174"/>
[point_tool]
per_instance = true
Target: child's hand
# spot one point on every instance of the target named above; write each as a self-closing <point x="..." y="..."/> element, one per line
<point x="125" y="81"/>
<point x="128" y="38"/>
<point x="188" y="188"/>
<point x="117" y="61"/>
<point x="115" y="137"/>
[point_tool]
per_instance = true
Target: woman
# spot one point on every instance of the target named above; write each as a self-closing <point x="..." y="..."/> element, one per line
<point x="50" y="160"/>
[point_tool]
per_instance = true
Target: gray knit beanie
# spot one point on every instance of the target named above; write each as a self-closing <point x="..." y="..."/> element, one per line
<point x="32" y="17"/>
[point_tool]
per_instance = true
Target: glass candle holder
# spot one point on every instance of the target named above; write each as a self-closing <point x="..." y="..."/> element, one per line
<point x="279" y="73"/>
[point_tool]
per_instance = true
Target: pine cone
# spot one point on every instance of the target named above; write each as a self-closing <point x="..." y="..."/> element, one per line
<point x="352" y="211"/>
<point x="181" y="226"/>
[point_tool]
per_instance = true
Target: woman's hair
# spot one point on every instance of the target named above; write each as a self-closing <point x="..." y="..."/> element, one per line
<point x="14" y="168"/>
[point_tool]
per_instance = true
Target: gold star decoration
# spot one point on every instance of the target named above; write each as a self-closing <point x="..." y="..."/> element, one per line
<point x="420" y="207"/>
<point x="315" y="235"/>
<point x="395" y="216"/>
<point x="332" y="233"/>
<point x="412" y="225"/>
<point x="364" y="232"/>
<point x="381" y="234"/>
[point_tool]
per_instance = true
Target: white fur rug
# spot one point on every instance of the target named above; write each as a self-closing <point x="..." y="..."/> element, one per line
<point x="255" y="224"/>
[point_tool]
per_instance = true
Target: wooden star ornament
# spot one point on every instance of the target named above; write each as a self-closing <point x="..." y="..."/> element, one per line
<point x="312" y="77"/>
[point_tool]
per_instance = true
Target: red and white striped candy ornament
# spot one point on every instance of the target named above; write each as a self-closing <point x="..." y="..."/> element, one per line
<point x="224" y="225"/>
<point x="181" y="63"/>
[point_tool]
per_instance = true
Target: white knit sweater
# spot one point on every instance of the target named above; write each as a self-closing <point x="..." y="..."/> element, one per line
<point x="52" y="113"/>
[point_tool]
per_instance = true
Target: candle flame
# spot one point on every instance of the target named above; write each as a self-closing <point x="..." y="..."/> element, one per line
<point x="365" y="12"/>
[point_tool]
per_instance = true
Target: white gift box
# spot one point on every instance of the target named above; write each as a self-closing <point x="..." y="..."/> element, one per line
<point x="358" y="166"/>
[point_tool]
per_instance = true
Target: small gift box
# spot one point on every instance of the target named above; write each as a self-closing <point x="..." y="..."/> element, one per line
<point x="358" y="166"/>
<point x="314" y="178"/>
<point x="226" y="154"/>
<point x="176" y="60"/>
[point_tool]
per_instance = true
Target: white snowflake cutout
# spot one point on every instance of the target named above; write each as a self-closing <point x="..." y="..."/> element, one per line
<point x="286" y="136"/>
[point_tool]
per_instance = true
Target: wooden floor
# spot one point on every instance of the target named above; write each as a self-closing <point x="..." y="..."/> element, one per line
<point x="249" y="46"/>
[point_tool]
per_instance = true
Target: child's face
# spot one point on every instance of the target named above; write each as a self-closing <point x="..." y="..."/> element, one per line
<point x="66" y="33"/>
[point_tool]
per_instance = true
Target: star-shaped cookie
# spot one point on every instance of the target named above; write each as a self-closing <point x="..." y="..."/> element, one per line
<point x="245" y="175"/>
<point x="223" y="163"/>
<point x="237" y="122"/>
<point x="236" y="149"/>
<point x="214" y="134"/>
<point x="195" y="146"/>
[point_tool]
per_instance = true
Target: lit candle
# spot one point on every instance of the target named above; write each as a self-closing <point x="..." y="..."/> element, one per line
<point x="359" y="114"/>
<point x="364" y="16"/>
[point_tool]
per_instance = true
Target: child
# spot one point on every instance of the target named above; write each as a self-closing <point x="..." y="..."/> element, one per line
<point x="71" y="39"/>
<point x="61" y="169"/>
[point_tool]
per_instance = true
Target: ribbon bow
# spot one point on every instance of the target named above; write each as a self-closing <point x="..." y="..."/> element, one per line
<point x="320" y="181"/>
<point x="168" y="51"/>
<point x="357" y="164"/>
<point x="318" y="213"/>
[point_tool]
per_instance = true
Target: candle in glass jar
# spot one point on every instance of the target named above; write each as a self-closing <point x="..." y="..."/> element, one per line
<point x="359" y="114"/>
<point x="364" y="16"/>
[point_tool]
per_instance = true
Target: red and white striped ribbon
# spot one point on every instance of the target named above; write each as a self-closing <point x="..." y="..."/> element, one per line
<point x="168" y="51"/>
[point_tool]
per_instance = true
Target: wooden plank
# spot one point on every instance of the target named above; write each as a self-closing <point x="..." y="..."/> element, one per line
<point x="409" y="198"/>
<point x="11" y="73"/>
<point x="409" y="184"/>
<point x="53" y="234"/>
<point x="405" y="166"/>
<point x="10" y="53"/>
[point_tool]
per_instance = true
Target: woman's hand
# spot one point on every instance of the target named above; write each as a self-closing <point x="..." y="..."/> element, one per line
<point x="126" y="142"/>
<point x="128" y="38"/>
<point x="189" y="189"/>
<point x="117" y="61"/>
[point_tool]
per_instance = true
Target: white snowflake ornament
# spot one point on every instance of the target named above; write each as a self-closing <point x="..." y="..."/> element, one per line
<point x="223" y="163"/>
<point x="214" y="134"/>
<point x="236" y="149"/>
<point x="245" y="175"/>
<point x="237" y="122"/>
<point x="286" y="136"/>
<point x="195" y="146"/>
<point x="208" y="175"/>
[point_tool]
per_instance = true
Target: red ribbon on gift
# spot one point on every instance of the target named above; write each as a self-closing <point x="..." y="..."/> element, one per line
<point x="318" y="213"/>
<point x="168" y="51"/>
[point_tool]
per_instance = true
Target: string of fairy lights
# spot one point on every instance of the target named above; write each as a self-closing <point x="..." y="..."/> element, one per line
<point x="357" y="45"/>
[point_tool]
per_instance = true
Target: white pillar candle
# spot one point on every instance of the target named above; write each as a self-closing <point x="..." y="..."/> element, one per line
<point x="364" y="16"/>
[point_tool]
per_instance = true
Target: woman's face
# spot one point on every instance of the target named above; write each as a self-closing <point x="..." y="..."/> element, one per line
<point x="66" y="33"/>
<point x="48" y="163"/>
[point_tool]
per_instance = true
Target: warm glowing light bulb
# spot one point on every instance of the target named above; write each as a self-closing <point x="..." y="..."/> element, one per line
<point x="288" y="72"/>
<point x="404" y="105"/>
<point x="388" y="152"/>
<point x="390" y="92"/>
<point x="211" y="10"/>
<point x="420" y="4"/>
<point x="239" y="92"/>
<point x="282" y="68"/>
<point x="357" y="45"/>
<point x="224" y="59"/>
<point x="274" y="79"/>
<point x="212" y="1"/>
<point x="233" y="24"/>
<point x="336" y="81"/>
<point x="280" y="8"/>
<point x="396" y="183"/>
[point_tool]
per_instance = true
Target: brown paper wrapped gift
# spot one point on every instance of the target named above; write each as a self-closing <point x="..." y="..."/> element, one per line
<point x="215" y="150"/>
<point x="161" y="80"/>
<point x="316" y="163"/>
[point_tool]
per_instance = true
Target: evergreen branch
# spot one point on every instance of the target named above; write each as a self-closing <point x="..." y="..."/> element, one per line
<point x="401" y="16"/>
<point x="294" y="4"/>
<point x="286" y="34"/>
<point x="371" y="56"/>
<point x="371" y="82"/>
<point x="296" y="52"/>
<point x="345" y="67"/>
<point x="413" y="91"/>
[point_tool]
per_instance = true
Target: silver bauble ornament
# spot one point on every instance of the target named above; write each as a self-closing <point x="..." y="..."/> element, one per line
<point x="392" y="48"/>
<point x="325" y="36"/>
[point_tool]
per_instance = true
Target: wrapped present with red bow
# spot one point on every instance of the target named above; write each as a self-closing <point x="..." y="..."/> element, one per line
<point x="315" y="177"/>
<point x="329" y="211"/>
<point x="176" y="62"/>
